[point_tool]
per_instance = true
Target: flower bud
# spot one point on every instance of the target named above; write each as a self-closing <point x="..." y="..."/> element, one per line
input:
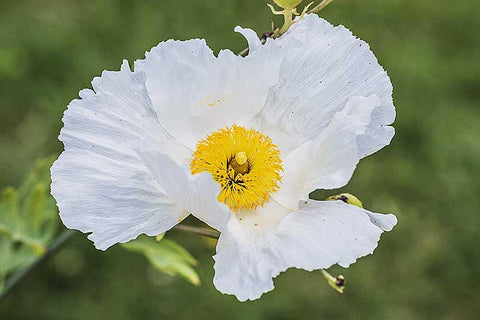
<point x="288" y="4"/>
<point x="347" y="198"/>
<point x="337" y="283"/>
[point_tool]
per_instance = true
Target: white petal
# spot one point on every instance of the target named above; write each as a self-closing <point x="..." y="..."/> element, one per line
<point x="253" y="41"/>
<point x="196" y="93"/>
<point x="328" y="161"/>
<point x="385" y="222"/>
<point x="323" y="67"/>
<point x="100" y="183"/>
<point x="316" y="237"/>
<point x="197" y="193"/>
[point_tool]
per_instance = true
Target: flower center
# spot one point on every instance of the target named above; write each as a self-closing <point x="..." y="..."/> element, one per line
<point x="244" y="162"/>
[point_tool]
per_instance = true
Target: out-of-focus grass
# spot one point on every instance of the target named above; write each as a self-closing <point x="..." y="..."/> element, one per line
<point x="427" y="268"/>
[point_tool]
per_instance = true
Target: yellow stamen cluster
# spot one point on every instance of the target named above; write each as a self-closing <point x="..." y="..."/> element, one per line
<point x="244" y="162"/>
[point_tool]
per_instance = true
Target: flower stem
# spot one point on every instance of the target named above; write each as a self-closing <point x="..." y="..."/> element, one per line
<point x="320" y="6"/>
<point x="287" y="15"/>
<point x="20" y="274"/>
<point x="198" y="230"/>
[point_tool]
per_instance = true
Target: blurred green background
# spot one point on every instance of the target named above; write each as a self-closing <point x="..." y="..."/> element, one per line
<point x="427" y="268"/>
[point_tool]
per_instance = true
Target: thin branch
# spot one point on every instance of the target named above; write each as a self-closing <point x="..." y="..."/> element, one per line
<point x="320" y="6"/>
<point x="197" y="230"/>
<point x="20" y="274"/>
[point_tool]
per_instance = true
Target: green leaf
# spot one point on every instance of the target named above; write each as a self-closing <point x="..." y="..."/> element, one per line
<point x="166" y="256"/>
<point x="28" y="219"/>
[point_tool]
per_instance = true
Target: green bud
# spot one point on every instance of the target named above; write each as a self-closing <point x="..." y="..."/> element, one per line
<point x="347" y="198"/>
<point x="288" y="4"/>
<point x="337" y="283"/>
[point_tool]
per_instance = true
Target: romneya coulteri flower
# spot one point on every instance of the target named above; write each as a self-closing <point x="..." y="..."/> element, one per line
<point x="238" y="142"/>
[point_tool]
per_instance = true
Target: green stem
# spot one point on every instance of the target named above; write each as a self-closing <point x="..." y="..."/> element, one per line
<point x="288" y="21"/>
<point x="320" y="6"/>
<point x="20" y="274"/>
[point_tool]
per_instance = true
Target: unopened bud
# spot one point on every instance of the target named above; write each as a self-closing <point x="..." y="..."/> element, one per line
<point x="337" y="283"/>
<point x="288" y="4"/>
<point x="347" y="198"/>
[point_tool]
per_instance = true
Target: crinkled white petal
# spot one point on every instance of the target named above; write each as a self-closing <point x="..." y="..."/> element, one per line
<point x="317" y="236"/>
<point x="253" y="41"/>
<point x="385" y="222"/>
<point x="197" y="194"/>
<point x="329" y="161"/>
<point x="323" y="68"/>
<point x="195" y="93"/>
<point x="100" y="183"/>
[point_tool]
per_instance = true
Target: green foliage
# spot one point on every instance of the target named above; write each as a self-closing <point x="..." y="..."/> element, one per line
<point x="166" y="256"/>
<point x="28" y="219"/>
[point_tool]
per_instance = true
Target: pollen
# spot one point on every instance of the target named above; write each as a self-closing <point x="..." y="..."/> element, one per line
<point x="245" y="163"/>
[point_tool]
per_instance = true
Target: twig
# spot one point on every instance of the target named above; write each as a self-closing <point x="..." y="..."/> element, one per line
<point x="20" y="274"/>
<point x="198" y="230"/>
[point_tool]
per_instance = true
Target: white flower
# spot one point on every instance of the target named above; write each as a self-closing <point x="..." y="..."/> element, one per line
<point x="237" y="142"/>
